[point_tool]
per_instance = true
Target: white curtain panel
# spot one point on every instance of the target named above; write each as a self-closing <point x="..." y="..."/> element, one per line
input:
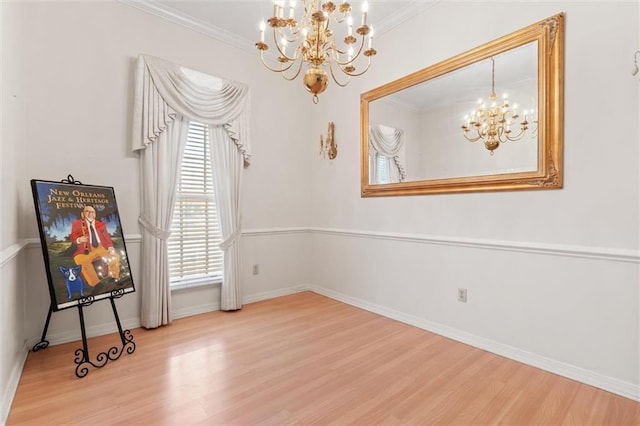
<point x="227" y="168"/>
<point x="387" y="146"/>
<point x="166" y="93"/>
<point x="159" y="166"/>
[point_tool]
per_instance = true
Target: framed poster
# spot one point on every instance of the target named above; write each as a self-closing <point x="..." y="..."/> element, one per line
<point x="83" y="245"/>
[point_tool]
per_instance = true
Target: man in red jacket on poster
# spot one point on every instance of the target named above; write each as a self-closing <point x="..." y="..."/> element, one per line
<point x="93" y="242"/>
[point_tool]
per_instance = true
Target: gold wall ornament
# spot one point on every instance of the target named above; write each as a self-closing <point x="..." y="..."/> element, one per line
<point x="328" y="147"/>
<point x="311" y="41"/>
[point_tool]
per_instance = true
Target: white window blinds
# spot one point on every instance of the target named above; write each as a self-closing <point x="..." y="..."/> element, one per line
<point x="383" y="169"/>
<point x="194" y="255"/>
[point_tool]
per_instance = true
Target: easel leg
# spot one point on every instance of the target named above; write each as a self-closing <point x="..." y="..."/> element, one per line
<point x="128" y="344"/>
<point x="115" y="314"/>
<point x="82" y="355"/>
<point x="42" y="344"/>
<point x="84" y="334"/>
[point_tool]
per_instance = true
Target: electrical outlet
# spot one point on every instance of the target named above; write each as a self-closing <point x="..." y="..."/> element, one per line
<point x="462" y="295"/>
<point x="256" y="269"/>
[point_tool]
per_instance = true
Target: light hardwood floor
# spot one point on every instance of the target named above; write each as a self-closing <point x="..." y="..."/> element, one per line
<point x="302" y="359"/>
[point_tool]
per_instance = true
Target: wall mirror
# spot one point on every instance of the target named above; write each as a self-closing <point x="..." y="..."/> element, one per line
<point x="490" y="119"/>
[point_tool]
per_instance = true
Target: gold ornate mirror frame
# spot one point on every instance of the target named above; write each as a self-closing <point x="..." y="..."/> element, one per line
<point x="549" y="35"/>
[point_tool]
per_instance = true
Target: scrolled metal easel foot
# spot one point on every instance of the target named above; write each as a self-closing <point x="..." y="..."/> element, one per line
<point x="83" y="359"/>
<point x="43" y="344"/>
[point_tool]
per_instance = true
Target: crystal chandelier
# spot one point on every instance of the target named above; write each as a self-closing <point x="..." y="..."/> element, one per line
<point x="314" y="43"/>
<point x="493" y="124"/>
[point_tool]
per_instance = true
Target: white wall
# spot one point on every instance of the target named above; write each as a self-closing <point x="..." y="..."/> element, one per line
<point x="12" y="316"/>
<point x="552" y="276"/>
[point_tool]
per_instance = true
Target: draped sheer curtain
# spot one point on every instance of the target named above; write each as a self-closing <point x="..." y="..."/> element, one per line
<point x="167" y="98"/>
<point x="385" y="144"/>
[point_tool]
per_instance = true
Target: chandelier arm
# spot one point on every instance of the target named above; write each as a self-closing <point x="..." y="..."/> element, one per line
<point x="282" y="54"/>
<point x="293" y="77"/>
<point x="353" y="59"/>
<point x="338" y="19"/>
<point x="353" y="74"/>
<point x="517" y="137"/>
<point x="334" y="76"/>
<point x="476" y="139"/>
<point x="336" y="52"/>
<point x="357" y="54"/>
<point x="282" y="68"/>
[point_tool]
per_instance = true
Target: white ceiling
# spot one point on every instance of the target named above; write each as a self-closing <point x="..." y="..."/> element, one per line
<point x="236" y="22"/>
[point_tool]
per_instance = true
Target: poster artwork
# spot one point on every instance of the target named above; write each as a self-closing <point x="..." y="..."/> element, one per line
<point x="82" y="242"/>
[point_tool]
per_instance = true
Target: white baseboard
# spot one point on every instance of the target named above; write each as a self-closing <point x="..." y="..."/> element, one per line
<point x="252" y="298"/>
<point x="258" y="297"/>
<point x="195" y="310"/>
<point x="609" y="384"/>
<point x="12" y="387"/>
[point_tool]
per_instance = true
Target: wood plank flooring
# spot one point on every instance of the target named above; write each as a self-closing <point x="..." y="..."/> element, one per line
<point x="302" y="359"/>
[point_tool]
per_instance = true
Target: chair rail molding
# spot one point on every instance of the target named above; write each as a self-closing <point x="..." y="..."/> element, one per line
<point x="600" y="253"/>
<point x="585" y="252"/>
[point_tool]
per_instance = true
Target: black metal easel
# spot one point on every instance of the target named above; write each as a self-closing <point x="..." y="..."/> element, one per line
<point x="82" y="354"/>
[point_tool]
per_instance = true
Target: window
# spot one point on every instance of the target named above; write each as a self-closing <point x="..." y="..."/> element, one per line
<point x="383" y="169"/>
<point x="194" y="256"/>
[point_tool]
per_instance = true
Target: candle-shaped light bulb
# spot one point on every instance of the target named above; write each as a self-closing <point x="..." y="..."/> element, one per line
<point x="350" y="25"/>
<point x="275" y="8"/>
<point x="283" y="42"/>
<point x="370" y="37"/>
<point x="350" y="53"/>
<point x="365" y="9"/>
<point x="305" y="32"/>
<point x="262" y="27"/>
<point x="292" y="6"/>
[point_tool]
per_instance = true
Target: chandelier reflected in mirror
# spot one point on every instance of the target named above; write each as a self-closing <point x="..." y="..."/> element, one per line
<point x="494" y="124"/>
<point x="310" y="40"/>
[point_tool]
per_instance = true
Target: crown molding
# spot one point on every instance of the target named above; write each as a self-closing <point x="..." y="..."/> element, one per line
<point x="175" y="16"/>
<point x="403" y="14"/>
<point x="166" y="12"/>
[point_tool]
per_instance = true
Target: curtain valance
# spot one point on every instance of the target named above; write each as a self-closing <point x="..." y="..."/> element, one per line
<point x="388" y="146"/>
<point x="164" y="90"/>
